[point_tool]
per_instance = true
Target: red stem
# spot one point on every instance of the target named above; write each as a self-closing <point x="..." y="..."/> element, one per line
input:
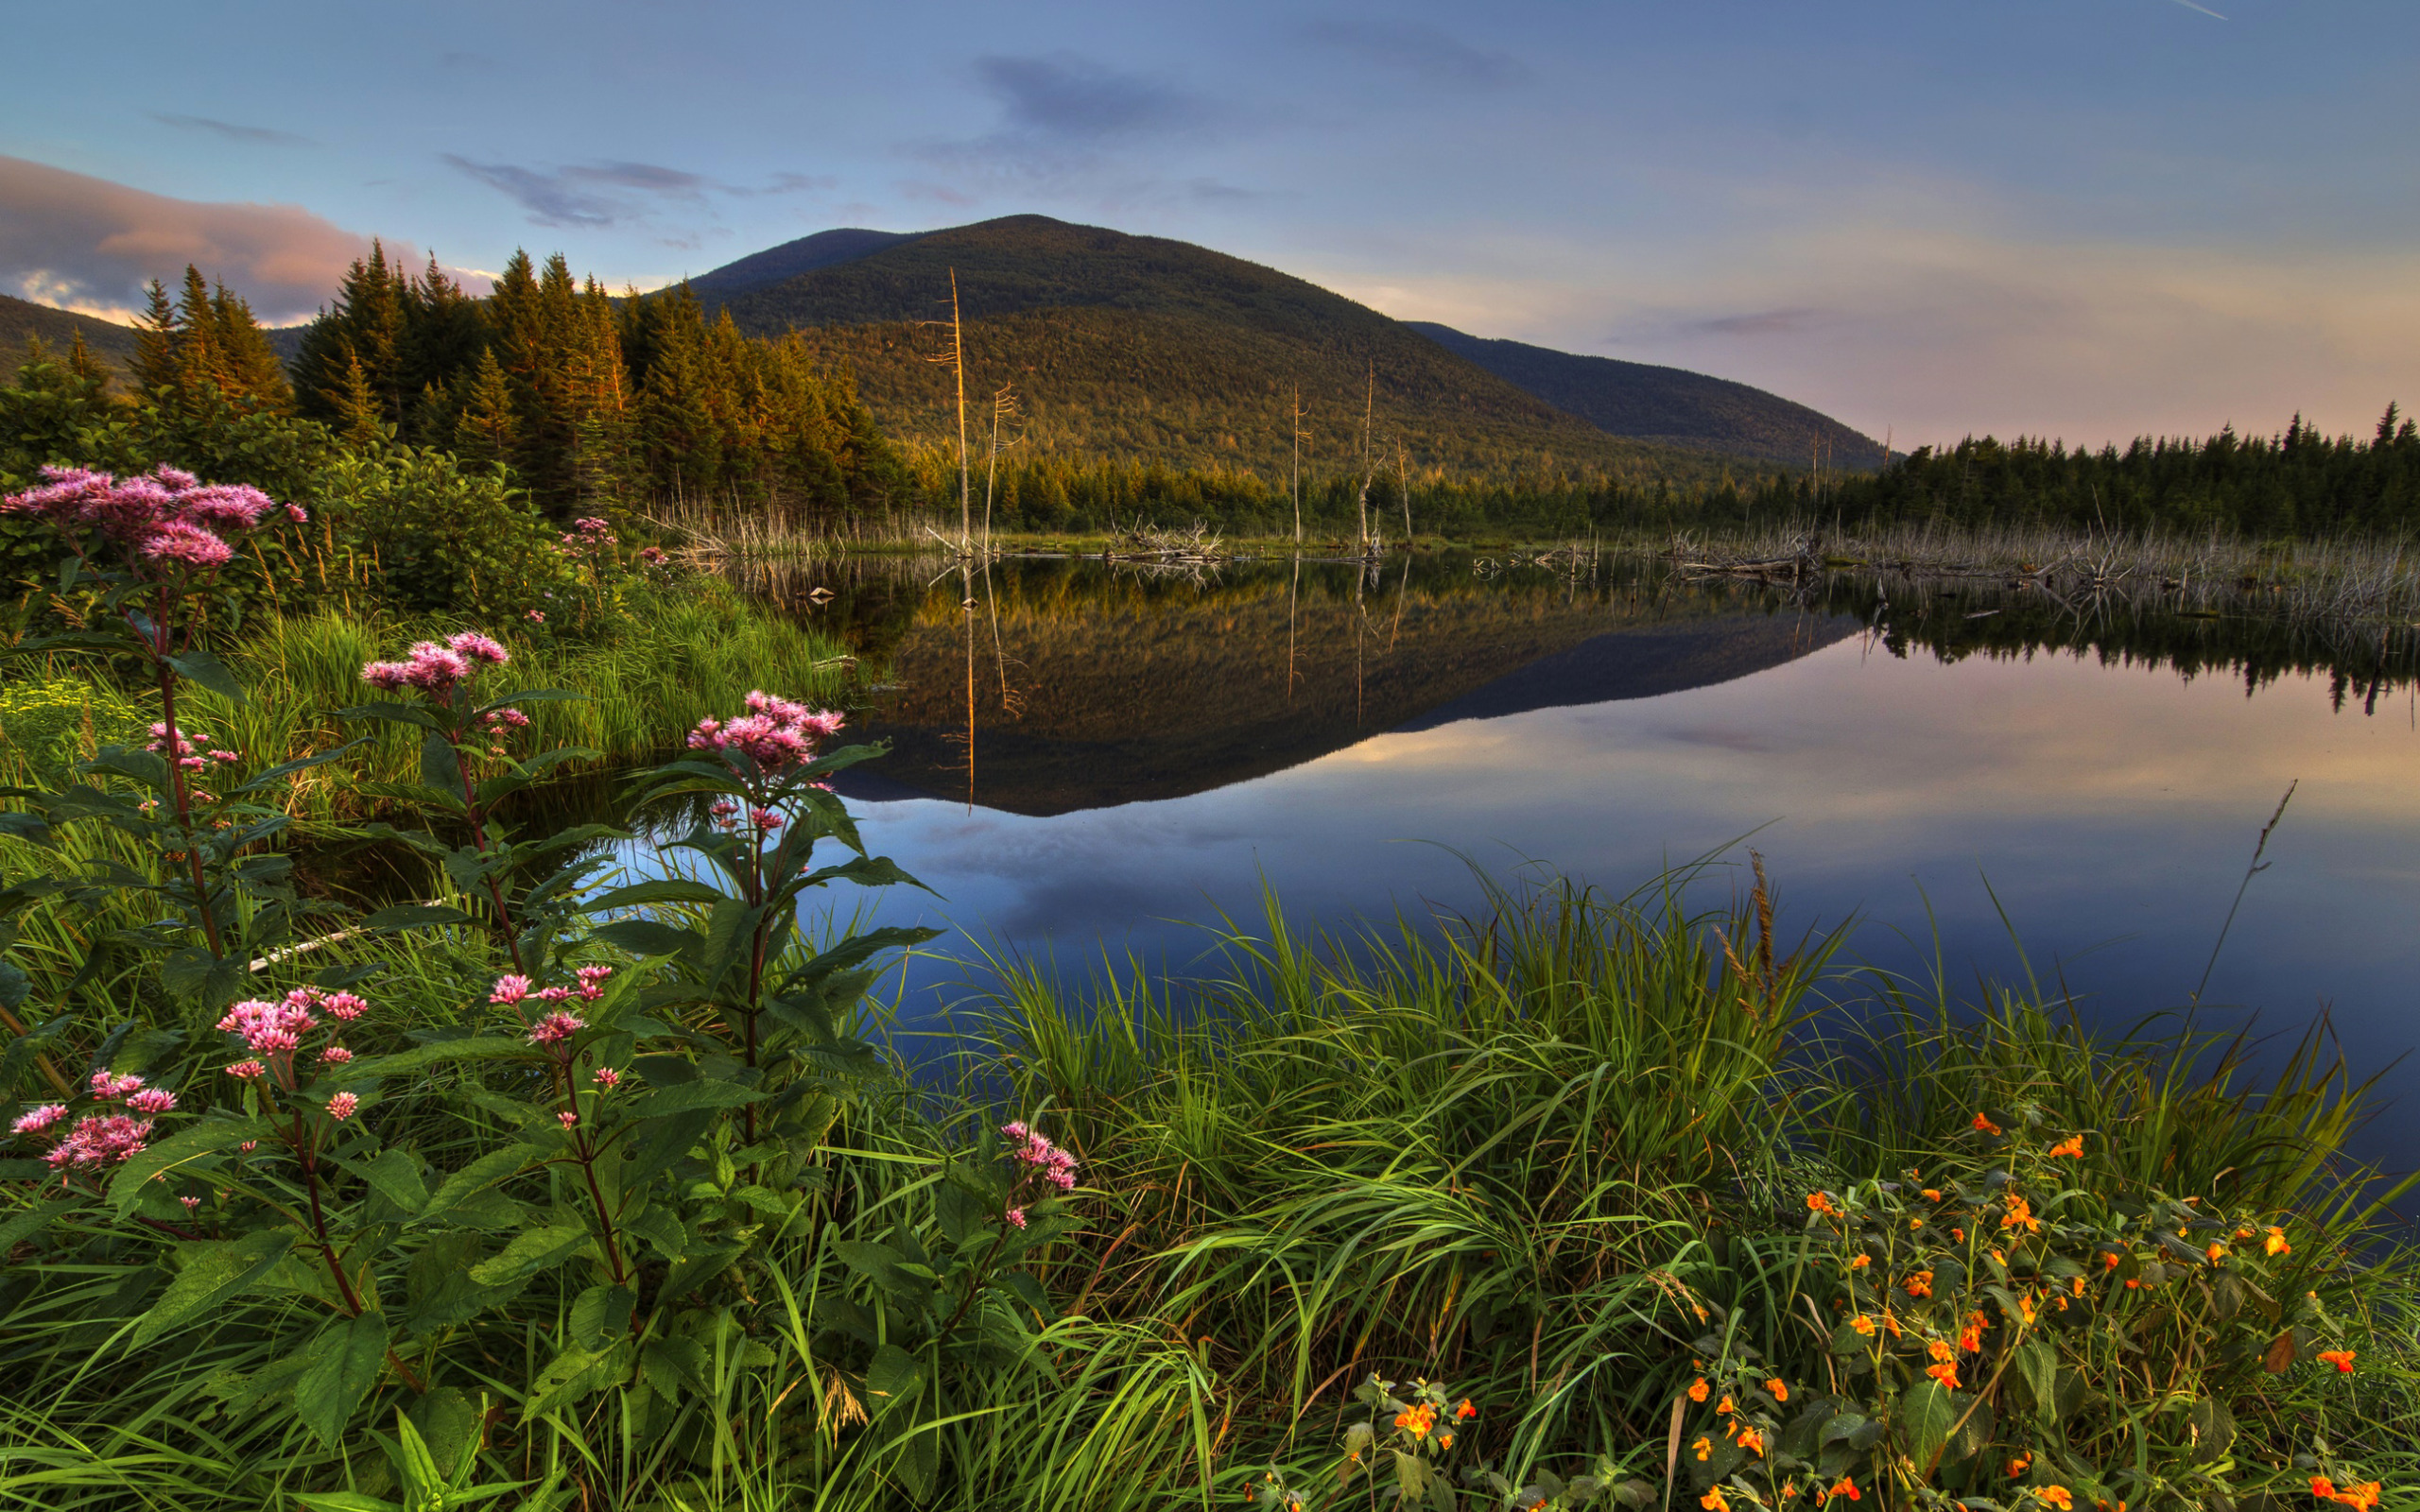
<point x="179" y="797"/>
<point x="584" y="1156"/>
<point x="306" y="1149"/>
<point x="479" y="837"/>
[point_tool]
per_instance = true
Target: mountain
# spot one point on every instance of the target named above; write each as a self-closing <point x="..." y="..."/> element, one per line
<point x="1142" y="348"/>
<point x="20" y="319"/>
<point x="1669" y="404"/>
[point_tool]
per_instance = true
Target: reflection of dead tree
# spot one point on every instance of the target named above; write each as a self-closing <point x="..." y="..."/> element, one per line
<point x="1141" y="540"/>
<point x="1298" y="467"/>
<point x="1004" y="409"/>
<point x="955" y="358"/>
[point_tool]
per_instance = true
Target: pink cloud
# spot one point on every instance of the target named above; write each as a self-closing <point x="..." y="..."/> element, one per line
<point x="92" y="245"/>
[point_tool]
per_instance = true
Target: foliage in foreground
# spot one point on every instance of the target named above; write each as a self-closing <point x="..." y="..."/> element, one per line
<point x="555" y="1193"/>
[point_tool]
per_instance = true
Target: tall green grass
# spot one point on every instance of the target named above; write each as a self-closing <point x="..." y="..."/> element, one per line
<point x="1516" y="1152"/>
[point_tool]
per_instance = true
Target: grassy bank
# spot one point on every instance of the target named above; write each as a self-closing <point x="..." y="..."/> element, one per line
<point x="680" y="653"/>
<point x="1557" y="1159"/>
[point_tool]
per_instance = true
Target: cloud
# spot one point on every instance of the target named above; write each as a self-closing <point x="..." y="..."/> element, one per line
<point x="230" y="130"/>
<point x="596" y="195"/>
<point x="1757" y="323"/>
<point x="1067" y="98"/>
<point x="1427" y="54"/>
<point x="92" y="245"/>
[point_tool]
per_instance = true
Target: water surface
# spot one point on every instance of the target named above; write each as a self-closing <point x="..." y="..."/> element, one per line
<point x="1088" y="757"/>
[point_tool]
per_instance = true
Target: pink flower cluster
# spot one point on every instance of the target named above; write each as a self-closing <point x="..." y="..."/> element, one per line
<point x="186" y="753"/>
<point x="273" y="1031"/>
<point x="164" y="520"/>
<point x="556" y="1027"/>
<point x="437" y="669"/>
<point x="774" y="734"/>
<point x="512" y="990"/>
<point x="98" y="1139"/>
<point x="1034" y="1149"/>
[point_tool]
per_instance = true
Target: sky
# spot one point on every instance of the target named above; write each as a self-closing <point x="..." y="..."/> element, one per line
<point x="2081" y="218"/>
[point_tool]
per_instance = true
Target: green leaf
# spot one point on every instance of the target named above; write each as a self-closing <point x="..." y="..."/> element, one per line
<point x="343" y="1362"/>
<point x="194" y="974"/>
<point x="439" y="768"/>
<point x="212" y="1275"/>
<point x="672" y="1364"/>
<point x="209" y="672"/>
<point x="662" y="891"/>
<point x="27" y="1222"/>
<point x="689" y="1096"/>
<point x="415" y="916"/>
<point x="601" y="1314"/>
<point x="532" y="1251"/>
<point x="894" y="1377"/>
<point x="470" y="1047"/>
<point x="185" y="1144"/>
<point x="571" y="1375"/>
<point x="1926" y="1413"/>
<point x="395" y="1175"/>
<point x="423" y="1482"/>
<point x="477" y="1176"/>
<point x="2037" y="1366"/>
<point x="646" y="937"/>
<point x="343" y="1502"/>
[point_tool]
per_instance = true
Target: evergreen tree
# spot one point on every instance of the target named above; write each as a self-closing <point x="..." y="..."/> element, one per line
<point x="485" y="432"/>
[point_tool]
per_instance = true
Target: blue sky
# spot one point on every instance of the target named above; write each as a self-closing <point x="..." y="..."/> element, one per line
<point x="2080" y="217"/>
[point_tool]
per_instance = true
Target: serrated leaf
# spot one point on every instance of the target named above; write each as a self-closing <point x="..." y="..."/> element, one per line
<point x="646" y="937"/>
<point x="214" y="1274"/>
<point x="440" y="766"/>
<point x="480" y="1174"/>
<point x="2037" y="1366"/>
<point x="420" y="1058"/>
<point x="1927" y="1412"/>
<point x="343" y="1364"/>
<point x="27" y="1222"/>
<point x="532" y="1251"/>
<point x="395" y="1175"/>
<point x="601" y="1315"/>
<point x="415" y="916"/>
<point x="692" y="1096"/>
<point x="894" y="1377"/>
<point x="202" y="1138"/>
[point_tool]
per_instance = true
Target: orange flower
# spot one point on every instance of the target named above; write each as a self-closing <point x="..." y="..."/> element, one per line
<point x="1915" y="1223"/>
<point x="1959" y="1234"/>
<point x="2020" y="1215"/>
<point x="1861" y="1261"/>
<point x="1864" y="1324"/>
<point x="2109" y="1259"/>
<point x="1723" y="1407"/>
<point x="2216" y="1252"/>
<point x="2025" y="1308"/>
<point x="1703" y="1448"/>
<point x="1891" y="1321"/>
<point x="1843" y="1487"/>
<point x="1750" y="1440"/>
<point x="1465" y="1410"/>
<point x="1944" y="1373"/>
<point x="2341" y="1358"/>
<point x="1822" y="1202"/>
<point x="1418" y="1419"/>
<point x="1933" y="1194"/>
<point x="1445" y="1439"/>
<point x="1698" y="1389"/>
<point x="2057" y="1496"/>
<point x="1970" y="1338"/>
<point x="1781" y="1393"/>
<point x="1940" y="1349"/>
<point x="2016" y="1466"/>
<point x="1920" y="1285"/>
<point x="1715" y="1501"/>
<point x="2362" y="1498"/>
<point x="2072" y="1145"/>
<point x="2276" y="1243"/>
<point x="1983" y="1122"/>
<point x="2323" y="1488"/>
<point x="2074" y="1284"/>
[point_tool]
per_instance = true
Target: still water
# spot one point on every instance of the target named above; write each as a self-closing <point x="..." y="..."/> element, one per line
<point x="1091" y="758"/>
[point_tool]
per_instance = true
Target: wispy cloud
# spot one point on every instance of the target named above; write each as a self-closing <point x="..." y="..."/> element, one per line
<point x="2204" y="9"/>
<point x="89" y="244"/>
<point x="1065" y="98"/>
<point x="230" y="130"/>
<point x="1423" y="52"/>
<point x="597" y="194"/>
<point x="1752" y="323"/>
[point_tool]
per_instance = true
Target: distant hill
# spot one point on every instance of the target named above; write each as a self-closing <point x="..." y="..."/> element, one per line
<point x="1139" y="347"/>
<point x="1669" y="404"/>
<point x="22" y="318"/>
<point x="825" y="248"/>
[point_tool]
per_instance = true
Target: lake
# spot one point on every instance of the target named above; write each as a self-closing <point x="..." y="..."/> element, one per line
<point x="1093" y="757"/>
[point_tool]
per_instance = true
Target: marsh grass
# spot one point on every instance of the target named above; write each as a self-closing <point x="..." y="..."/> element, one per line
<point x="1515" y="1150"/>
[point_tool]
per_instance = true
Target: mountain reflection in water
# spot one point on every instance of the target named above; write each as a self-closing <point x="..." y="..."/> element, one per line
<point x="1945" y="763"/>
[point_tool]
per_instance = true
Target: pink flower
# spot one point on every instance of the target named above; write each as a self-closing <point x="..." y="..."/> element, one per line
<point x="510" y="990"/>
<point x="478" y="647"/>
<point x="39" y="1118"/>
<point x="191" y="1203"/>
<point x="98" y="1140"/>
<point x="1017" y="1131"/>
<point x="500" y="719"/>
<point x="606" y="1079"/>
<point x="108" y="1088"/>
<point x="336" y="1056"/>
<point x="555" y="1028"/>
<point x="568" y="1119"/>
<point x="775" y="732"/>
<point x="554" y="994"/>
<point x="764" y="819"/>
<point x="346" y="1007"/>
<point x="153" y="1100"/>
<point x="187" y="546"/>
<point x="1016" y="1215"/>
<point x="247" y="1071"/>
<point x="269" y="1029"/>
<point x="340" y="1106"/>
<point x="537" y="616"/>
<point x="298" y="514"/>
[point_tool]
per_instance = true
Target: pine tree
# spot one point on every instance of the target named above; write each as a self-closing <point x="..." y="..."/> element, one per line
<point x="155" y="342"/>
<point x="358" y="410"/>
<point x="484" y="433"/>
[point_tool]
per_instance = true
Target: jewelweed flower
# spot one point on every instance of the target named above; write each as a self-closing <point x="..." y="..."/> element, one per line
<point x="1822" y="1202"/>
<point x="1724" y="1408"/>
<point x="1713" y="1501"/>
<point x="1860" y="1262"/>
<point x="1698" y="1390"/>
<point x="1703" y="1448"/>
<point x="2276" y="1242"/>
<point x="1983" y="1122"/>
<point x="1933" y="1194"/>
<point x="2071" y="1145"/>
<point x="1946" y="1372"/>
<point x="1864" y="1324"/>
<point x="2341" y="1358"/>
<point x="1750" y="1440"/>
<point x="1920" y="1285"/>
<point x="2057" y="1496"/>
<point x="2017" y="1464"/>
<point x="1844" y="1487"/>
<point x="1781" y="1393"/>
<point x="1465" y="1410"/>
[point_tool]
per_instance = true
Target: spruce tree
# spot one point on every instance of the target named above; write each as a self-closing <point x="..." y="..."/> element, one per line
<point x="155" y="342"/>
<point x="484" y="432"/>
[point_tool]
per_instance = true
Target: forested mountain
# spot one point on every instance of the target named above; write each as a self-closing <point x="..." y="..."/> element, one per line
<point x="21" y="321"/>
<point x="1149" y="350"/>
<point x="1669" y="404"/>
